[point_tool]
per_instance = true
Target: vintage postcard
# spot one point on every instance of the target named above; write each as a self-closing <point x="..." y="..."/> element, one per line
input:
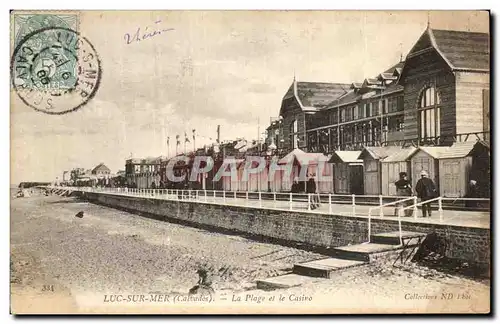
<point x="250" y="162"/>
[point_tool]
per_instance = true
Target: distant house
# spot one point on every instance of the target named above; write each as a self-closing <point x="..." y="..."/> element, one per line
<point x="101" y="169"/>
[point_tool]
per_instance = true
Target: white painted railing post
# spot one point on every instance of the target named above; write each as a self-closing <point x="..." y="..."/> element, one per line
<point x="246" y="198"/>
<point x="274" y="199"/>
<point x="415" y="209"/>
<point x="224" y="195"/>
<point x="353" y="205"/>
<point x="369" y="225"/>
<point x="400" y="229"/>
<point x="291" y="201"/>
<point x="205" y="194"/>
<point x="329" y="203"/>
<point x="235" y="195"/>
<point x="260" y="199"/>
<point x="309" y="201"/>
<point x="440" y="208"/>
<point x="381" y="202"/>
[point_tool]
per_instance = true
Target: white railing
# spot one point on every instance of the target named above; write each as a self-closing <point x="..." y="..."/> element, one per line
<point x="381" y="214"/>
<point x="415" y="209"/>
<point x="336" y="203"/>
<point x="279" y="200"/>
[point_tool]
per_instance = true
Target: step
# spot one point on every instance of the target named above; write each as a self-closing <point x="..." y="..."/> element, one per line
<point x="364" y="251"/>
<point x="324" y="268"/>
<point x="410" y="238"/>
<point x="284" y="281"/>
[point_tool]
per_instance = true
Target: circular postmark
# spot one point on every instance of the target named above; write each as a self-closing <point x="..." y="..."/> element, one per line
<point x="55" y="70"/>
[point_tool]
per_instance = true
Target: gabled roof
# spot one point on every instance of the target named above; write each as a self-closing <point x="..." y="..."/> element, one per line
<point x="479" y="147"/>
<point x="100" y="166"/>
<point x="387" y="76"/>
<point x="345" y="157"/>
<point x="463" y="51"/>
<point x="378" y="152"/>
<point x="358" y="93"/>
<point x="311" y="96"/>
<point x="396" y="67"/>
<point x="457" y="150"/>
<point x="152" y="160"/>
<point x="434" y="151"/>
<point x="301" y="157"/>
<point x="400" y="156"/>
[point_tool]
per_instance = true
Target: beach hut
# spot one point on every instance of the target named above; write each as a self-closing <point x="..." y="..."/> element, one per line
<point x="456" y="168"/>
<point x="258" y="181"/>
<point x="426" y="158"/>
<point x="302" y="164"/>
<point x="392" y="166"/>
<point x="372" y="157"/>
<point x="347" y="172"/>
<point x="230" y="183"/>
<point x="481" y="167"/>
<point x="323" y="170"/>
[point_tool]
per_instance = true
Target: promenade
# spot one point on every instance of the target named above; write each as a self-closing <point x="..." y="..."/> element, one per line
<point x="299" y="203"/>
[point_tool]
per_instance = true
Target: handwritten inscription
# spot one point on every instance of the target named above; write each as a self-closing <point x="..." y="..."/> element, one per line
<point x="147" y="33"/>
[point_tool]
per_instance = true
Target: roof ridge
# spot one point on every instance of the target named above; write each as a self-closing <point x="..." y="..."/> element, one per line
<point x="436" y="47"/>
<point x="459" y="31"/>
<point x="336" y="83"/>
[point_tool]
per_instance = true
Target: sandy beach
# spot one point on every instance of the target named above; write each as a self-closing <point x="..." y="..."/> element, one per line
<point x="61" y="263"/>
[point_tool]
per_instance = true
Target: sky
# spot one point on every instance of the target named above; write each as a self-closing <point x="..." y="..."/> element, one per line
<point x="213" y="68"/>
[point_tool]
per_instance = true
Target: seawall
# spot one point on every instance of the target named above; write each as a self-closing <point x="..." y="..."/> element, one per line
<point x="320" y="231"/>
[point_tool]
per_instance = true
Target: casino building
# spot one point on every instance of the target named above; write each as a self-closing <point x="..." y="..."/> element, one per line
<point x="437" y="96"/>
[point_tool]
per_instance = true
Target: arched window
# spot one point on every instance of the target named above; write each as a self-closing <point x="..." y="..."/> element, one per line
<point x="429" y="114"/>
<point x="294" y="128"/>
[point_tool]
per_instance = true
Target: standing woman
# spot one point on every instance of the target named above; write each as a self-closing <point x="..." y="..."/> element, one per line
<point x="403" y="188"/>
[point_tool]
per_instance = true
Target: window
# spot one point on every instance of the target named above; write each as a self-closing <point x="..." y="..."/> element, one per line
<point x="334" y="115"/>
<point x="293" y="133"/>
<point x="400" y="103"/>
<point x="429" y="114"/>
<point x="371" y="165"/>
<point x="342" y="115"/>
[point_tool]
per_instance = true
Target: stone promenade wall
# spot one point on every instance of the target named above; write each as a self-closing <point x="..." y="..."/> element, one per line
<point x="318" y="231"/>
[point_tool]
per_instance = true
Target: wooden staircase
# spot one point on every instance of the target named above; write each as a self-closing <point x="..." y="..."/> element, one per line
<point x="383" y="247"/>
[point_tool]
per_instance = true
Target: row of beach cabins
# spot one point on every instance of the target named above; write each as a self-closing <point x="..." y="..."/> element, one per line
<point x="371" y="171"/>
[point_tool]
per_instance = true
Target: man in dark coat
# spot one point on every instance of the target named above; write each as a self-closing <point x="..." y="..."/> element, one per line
<point x="311" y="189"/>
<point x="472" y="192"/>
<point x="426" y="189"/>
<point x="295" y="186"/>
